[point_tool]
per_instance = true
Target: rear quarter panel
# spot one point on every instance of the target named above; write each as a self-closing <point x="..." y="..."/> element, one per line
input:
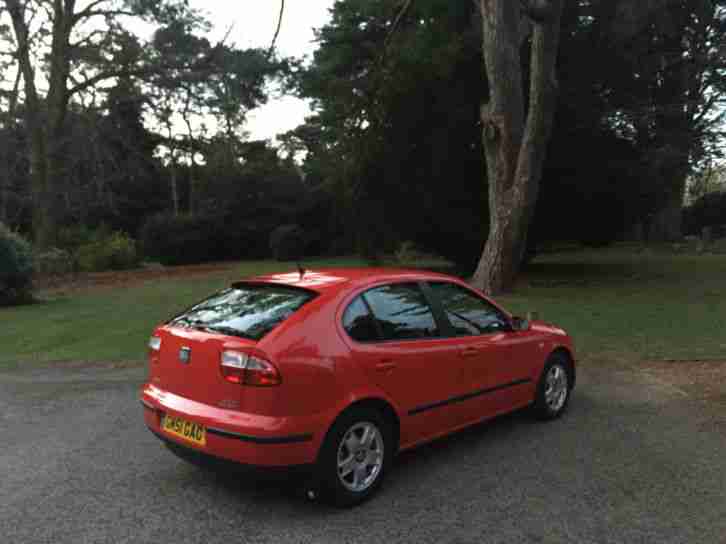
<point x="318" y="373"/>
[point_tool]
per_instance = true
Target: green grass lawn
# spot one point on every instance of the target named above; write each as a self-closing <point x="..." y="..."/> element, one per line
<point x="620" y="305"/>
<point x="624" y="305"/>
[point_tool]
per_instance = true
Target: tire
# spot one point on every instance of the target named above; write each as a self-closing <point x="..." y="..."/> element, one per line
<point x="554" y="388"/>
<point x="354" y="459"/>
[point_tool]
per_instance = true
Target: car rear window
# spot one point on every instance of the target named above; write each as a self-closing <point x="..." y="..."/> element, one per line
<point x="247" y="310"/>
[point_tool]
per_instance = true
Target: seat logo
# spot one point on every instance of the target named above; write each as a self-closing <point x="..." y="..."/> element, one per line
<point x="185" y="355"/>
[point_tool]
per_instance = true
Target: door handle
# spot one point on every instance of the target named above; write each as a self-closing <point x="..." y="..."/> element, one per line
<point x="386" y="366"/>
<point x="469" y="352"/>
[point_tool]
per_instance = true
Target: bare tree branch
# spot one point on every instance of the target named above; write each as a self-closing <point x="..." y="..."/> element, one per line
<point x="90" y="8"/>
<point x="102" y="13"/>
<point x="87" y="39"/>
<point x="13" y="103"/>
<point x="405" y="7"/>
<point x="277" y="31"/>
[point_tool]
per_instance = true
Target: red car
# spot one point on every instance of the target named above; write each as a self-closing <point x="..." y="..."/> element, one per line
<point x="341" y="369"/>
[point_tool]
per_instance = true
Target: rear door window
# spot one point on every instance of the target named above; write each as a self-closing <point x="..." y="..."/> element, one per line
<point x="245" y="310"/>
<point x="402" y="312"/>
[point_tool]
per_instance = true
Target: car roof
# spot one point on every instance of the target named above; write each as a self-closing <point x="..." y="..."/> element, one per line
<point x="327" y="279"/>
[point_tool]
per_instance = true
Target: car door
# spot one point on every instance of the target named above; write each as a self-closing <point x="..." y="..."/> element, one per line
<point x="398" y="341"/>
<point x="497" y="363"/>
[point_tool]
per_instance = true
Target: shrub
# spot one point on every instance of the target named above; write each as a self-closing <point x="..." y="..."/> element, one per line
<point x="115" y="252"/>
<point x="707" y="211"/>
<point x="191" y="239"/>
<point x="287" y="243"/>
<point x="718" y="247"/>
<point x="72" y="238"/>
<point x="184" y="239"/>
<point x="53" y="262"/>
<point x="406" y="252"/>
<point x="16" y="268"/>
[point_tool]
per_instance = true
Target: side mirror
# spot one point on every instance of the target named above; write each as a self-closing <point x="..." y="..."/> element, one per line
<point x="520" y="324"/>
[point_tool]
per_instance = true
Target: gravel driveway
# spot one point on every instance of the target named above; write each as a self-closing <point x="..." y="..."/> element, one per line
<point x="634" y="460"/>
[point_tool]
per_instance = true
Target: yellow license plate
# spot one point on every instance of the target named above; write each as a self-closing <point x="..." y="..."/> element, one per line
<point x="193" y="432"/>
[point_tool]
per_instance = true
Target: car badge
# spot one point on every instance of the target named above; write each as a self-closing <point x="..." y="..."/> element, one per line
<point x="185" y="355"/>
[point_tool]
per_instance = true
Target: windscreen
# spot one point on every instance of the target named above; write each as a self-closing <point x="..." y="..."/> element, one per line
<point x="245" y="310"/>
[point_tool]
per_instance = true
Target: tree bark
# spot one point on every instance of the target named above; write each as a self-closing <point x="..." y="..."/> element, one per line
<point x="515" y="136"/>
<point x="192" y="157"/>
<point x="6" y="175"/>
<point x="45" y="118"/>
<point x="667" y="222"/>
<point x="174" y="185"/>
<point x="42" y="225"/>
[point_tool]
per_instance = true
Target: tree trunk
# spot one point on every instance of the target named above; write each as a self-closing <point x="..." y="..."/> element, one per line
<point x="45" y="119"/>
<point x="193" y="181"/>
<point x="6" y="176"/>
<point x="4" y="191"/>
<point x="515" y="141"/>
<point x="174" y="185"/>
<point x="667" y="223"/>
<point x="192" y="156"/>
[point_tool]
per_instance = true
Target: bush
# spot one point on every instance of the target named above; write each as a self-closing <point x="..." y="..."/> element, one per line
<point x="53" y="262"/>
<point x="115" y="252"/>
<point x="287" y="243"/>
<point x="707" y="211"/>
<point x="408" y="255"/>
<point x="184" y="239"/>
<point x="16" y="268"/>
<point x="192" y="239"/>
<point x="72" y="238"/>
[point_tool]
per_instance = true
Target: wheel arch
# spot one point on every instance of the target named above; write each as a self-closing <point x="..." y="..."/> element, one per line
<point x="566" y="353"/>
<point x="376" y="404"/>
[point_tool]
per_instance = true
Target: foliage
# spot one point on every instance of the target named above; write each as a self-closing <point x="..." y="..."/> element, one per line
<point x="112" y="176"/>
<point x="393" y="151"/>
<point x="14" y="195"/>
<point x="718" y="246"/>
<point x="116" y="251"/>
<point x="408" y="254"/>
<point x="395" y="141"/>
<point x="16" y="268"/>
<point x="707" y="211"/>
<point x="83" y="68"/>
<point x="287" y="243"/>
<point x="183" y="239"/>
<point x="711" y="179"/>
<point x="54" y="262"/>
<point x="248" y="192"/>
<point x="580" y="202"/>
<point x="72" y="237"/>
<point x="134" y="181"/>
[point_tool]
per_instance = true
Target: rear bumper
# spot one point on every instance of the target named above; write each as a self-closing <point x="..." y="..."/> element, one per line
<point x="287" y="473"/>
<point x="248" y="439"/>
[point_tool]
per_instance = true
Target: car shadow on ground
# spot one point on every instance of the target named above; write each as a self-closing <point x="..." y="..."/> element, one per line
<point x="290" y="489"/>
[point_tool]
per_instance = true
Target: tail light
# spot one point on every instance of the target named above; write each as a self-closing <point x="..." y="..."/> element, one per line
<point x="246" y="369"/>
<point x="154" y="348"/>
